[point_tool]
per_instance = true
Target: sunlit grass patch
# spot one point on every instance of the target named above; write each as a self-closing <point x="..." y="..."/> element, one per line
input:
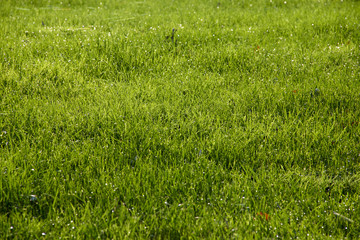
<point x="205" y="119"/>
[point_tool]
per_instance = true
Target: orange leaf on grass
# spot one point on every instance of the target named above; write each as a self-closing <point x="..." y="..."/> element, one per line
<point x="264" y="215"/>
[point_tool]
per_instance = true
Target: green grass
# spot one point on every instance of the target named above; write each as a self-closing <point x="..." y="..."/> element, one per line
<point x="113" y="125"/>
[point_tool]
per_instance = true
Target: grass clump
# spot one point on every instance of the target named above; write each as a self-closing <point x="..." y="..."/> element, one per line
<point x="205" y="119"/>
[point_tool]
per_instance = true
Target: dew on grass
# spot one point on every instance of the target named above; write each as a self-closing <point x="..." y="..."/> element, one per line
<point x="33" y="198"/>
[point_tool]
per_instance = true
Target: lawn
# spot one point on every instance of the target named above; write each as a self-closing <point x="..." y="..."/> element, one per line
<point x="230" y="119"/>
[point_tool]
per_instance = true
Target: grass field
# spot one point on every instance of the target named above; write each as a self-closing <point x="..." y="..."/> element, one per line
<point x="180" y="119"/>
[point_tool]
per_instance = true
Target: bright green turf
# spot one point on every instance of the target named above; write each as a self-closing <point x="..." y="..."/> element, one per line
<point x="113" y="127"/>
